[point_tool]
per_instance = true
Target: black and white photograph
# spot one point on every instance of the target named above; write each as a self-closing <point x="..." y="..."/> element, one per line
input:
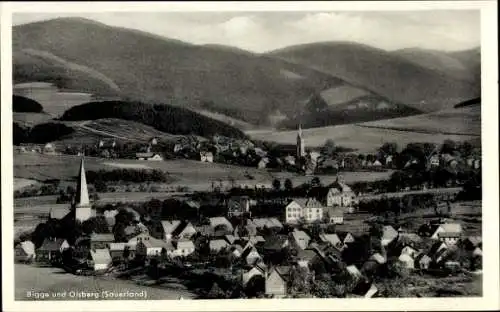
<point x="256" y="154"/>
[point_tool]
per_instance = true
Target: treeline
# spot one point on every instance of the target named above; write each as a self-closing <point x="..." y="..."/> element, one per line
<point x="166" y="118"/>
<point x="21" y="104"/>
<point x="39" y="134"/>
<point x="127" y="175"/>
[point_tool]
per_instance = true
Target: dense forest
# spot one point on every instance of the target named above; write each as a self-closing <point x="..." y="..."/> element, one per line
<point x="174" y="120"/>
<point x="21" y="104"/>
<point x="39" y="134"/>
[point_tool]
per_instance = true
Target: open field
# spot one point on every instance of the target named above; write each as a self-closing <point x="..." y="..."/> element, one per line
<point x="54" y="280"/>
<point x="193" y="174"/>
<point x="31" y="119"/>
<point x="363" y="139"/>
<point x="461" y="121"/>
<point x="20" y="183"/>
<point x="127" y="166"/>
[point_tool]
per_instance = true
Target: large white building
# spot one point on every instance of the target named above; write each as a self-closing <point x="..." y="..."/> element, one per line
<point x="340" y="195"/>
<point x="306" y="209"/>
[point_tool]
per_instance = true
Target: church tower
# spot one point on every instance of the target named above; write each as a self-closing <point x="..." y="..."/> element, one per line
<point x="300" y="144"/>
<point x="81" y="204"/>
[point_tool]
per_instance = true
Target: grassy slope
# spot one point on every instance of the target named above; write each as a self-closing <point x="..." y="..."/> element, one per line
<point x="455" y="124"/>
<point x="466" y="120"/>
<point x="152" y="68"/>
<point x="382" y="72"/>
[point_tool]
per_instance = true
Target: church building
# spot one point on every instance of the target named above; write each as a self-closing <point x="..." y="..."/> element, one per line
<point x="300" y="144"/>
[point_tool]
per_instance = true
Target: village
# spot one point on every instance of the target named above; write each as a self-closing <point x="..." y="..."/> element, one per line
<point x="276" y="241"/>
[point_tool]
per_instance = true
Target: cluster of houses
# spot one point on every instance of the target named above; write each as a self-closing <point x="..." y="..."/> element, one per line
<point x="254" y="240"/>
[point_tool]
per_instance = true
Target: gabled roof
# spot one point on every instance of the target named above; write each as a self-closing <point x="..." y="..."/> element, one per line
<point x="330" y="238"/>
<point x="101" y="237"/>
<point x="283" y="271"/>
<point x="343" y="234"/>
<point x="157" y="243"/>
<point x="353" y="270"/>
<point x="451" y="227"/>
<point x="474" y="240"/>
<point x="216" y="221"/>
<point x="308" y="202"/>
<point x="230" y="238"/>
<point x="449" y="234"/>
<point x="247" y="251"/>
<point x="101" y="256"/>
<point x="340" y="186"/>
<point x="52" y="245"/>
<point x="388" y="233"/>
<point x="184" y="244"/>
<point x="117" y="246"/>
<point x="59" y="212"/>
<point x="217" y="244"/>
<point x="181" y="227"/>
<point x="378" y="258"/>
<point x="275" y="242"/>
<point x="299" y="235"/>
<point x="257" y="239"/>
<point x="169" y="226"/>
<point x="306" y="254"/>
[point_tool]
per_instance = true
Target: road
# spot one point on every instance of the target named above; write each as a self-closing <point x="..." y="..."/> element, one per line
<point x="450" y="190"/>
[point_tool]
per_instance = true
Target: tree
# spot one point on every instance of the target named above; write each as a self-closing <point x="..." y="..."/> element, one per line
<point x="448" y="147"/>
<point x="288" y="185"/>
<point x="100" y="186"/>
<point x="315" y="182"/>
<point x="216" y="292"/>
<point x="328" y="148"/>
<point x="276" y="184"/>
<point x="389" y="148"/>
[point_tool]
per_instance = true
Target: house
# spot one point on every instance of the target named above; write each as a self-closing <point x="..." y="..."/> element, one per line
<point x="377" y="164"/>
<point x="332" y="239"/>
<point x="334" y="215"/>
<point x="276" y="243"/>
<point x="100" y="241"/>
<point x="167" y="228"/>
<point x="99" y="259"/>
<point x="377" y="257"/>
<point x="24" y="252"/>
<point x="259" y="269"/>
<point x="59" y="212"/>
<point x="422" y="261"/>
<point x="340" y="194"/>
<point x="409" y="251"/>
<point x="184" y="230"/>
<point x="216" y="245"/>
<point x="389" y="234"/>
<point x="221" y="225"/>
<point x="289" y="160"/>
<point x="345" y="237"/>
<point x="238" y="205"/>
<point x="305" y="257"/>
<point x="407" y="260"/>
<point x="438" y="251"/>
<point x="178" y="148"/>
<point x="153" y="141"/>
<point x="269" y="223"/>
<point x="477" y="163"/>
<point x="236" y="250"/>
<point x="300" y="239"/>
<point x="206" y="157"/>
<point x="149" y="247"/>
<point x="263" y="163"/>
<point x="49" y="149"/>
<point x="183" y="248"/>
<point x="450" y="233"/>
<point x="250" y="255"/>
<point x="409" y="239"/>
<point x="260" y="152"/>
<point x="117" y="250"/>
<point x="353" y="271"/>
<point x="51" y="249"/>
<point x="256" y="240"/>
<point x="308" y="209"/>
<point x="477" y="252"/>
<point x="277" y="281"/>
<point x="230" y="239"/>
<point x="434" y="161"/>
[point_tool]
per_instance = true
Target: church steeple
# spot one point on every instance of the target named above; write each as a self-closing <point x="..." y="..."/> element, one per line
<point x="300" y="143"/>
<point x="82" y="207"/>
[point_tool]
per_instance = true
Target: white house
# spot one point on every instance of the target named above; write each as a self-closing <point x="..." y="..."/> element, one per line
<point x="149" y="247"/>
<point x="309" y="209"/>
<point x="409" y="251"/>
<point x="183" y="248"/>
<point x="407" y="260"/>
<point x="450" y="233"/>
<point x="99" y="259"/>
<point x="341" y="195"/>
<point x="206" y="157"/>
<point x="24" y="251"/>
<point x="300" y="239"/>
<point x="217" y="245"/>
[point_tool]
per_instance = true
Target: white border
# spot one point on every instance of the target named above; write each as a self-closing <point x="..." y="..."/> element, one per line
<point x="491" y="290"/>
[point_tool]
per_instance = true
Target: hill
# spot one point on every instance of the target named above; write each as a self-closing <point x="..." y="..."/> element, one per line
<point x="34" y="65"/>
<point x="154" y="69"/>
<point x="385" y="73"/>
<point x="21" y="104"/>
<point x="455" y="121"/>
<point x="476" y="101"/>
<point x="165" y="118"/>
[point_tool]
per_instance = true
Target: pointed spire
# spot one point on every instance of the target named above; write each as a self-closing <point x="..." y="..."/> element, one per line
<point x="82" y="193"/>
<point x="300" y="130"/>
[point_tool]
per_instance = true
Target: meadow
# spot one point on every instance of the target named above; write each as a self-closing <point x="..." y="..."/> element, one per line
<point x="358" y="137"/>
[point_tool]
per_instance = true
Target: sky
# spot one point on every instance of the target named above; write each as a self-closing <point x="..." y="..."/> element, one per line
<point x="446" y="30"/>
